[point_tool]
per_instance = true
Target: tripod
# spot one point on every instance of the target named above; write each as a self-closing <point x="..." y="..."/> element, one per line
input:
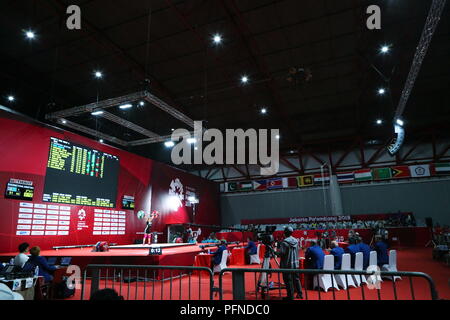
<point x="263" y="282"/>
<point x="431" y="241"/>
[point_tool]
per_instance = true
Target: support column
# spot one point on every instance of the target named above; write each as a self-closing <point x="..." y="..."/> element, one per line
<point x="335" y="196"/>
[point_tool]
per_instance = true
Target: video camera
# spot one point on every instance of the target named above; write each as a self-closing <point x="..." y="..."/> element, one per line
<point x="266" y="237"/>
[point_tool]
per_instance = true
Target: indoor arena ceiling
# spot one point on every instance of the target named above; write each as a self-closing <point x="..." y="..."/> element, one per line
<point x="172" y="54"/>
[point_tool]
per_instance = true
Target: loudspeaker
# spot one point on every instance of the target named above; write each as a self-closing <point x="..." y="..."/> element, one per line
<point x="429" y="222"/>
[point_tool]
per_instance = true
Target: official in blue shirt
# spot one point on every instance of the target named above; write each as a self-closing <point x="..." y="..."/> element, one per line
<point x="365" y="249"/>
<point x="36" y="260"/>
<point x="251" y="247"/>
<point x="352" y="249"/>
<point x="217" y="255"/>
<point x="337" y="252"/>
<point x="381" y="247"/>
<point x="314" y="256"/>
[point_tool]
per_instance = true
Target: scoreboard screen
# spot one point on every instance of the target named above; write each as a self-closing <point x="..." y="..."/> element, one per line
<point x="19" y="189"/>
<point x="128" y="203"/>
<point x="80" y="176"/>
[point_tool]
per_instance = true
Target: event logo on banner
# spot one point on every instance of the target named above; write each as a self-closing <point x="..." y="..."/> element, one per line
<point x="176" y="192"/>
<point x="81" y="220"/>
<point x="319" y="219"/>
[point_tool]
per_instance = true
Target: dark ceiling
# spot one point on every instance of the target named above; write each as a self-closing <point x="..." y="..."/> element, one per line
<point x="172" y="48"/>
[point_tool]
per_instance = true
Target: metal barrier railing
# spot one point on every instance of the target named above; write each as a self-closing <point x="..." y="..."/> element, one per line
<point x="151" y="282"/>
<point x="154" y="282"/>
<point x="239" y="283"/>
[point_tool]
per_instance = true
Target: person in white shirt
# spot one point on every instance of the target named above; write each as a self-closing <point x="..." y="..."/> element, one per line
<point x="7" y="294"/>
<point x="22" y="257"/>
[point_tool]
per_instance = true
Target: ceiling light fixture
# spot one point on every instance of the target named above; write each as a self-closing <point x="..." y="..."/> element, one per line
<point x="125" y="106"/>
<point x="98" y="74"/>
<point x="217" y="38"/>
<point x="97" y="112"/>
<point x="169" y="144"/>
<point x="30" y="34"/>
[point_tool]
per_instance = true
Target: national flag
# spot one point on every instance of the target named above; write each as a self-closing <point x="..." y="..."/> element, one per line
<point x="276" y="183"/>
<point x="222" y="187"/>
<point x="363" y="175"/>
<point x="319" y="179"/>
<point x="240" y="186"/>
<point x="260" y="185"/>
<point x="290" y="182"/>
<point x="381" y="173"/>
<point x="399" y="172"/>
<point x="346" y="177"/>
<point x="232" y="186"/>
<point x="442" y="168"/>
<point x="305" y="181"/>
<point x="420" y="171"/>
<point x="245" y="186"/>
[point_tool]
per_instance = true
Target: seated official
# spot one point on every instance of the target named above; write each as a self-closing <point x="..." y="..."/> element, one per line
<point x="314" y="256"/>
<point x="381" y="247"/>
<point x="337" y="252"/>
<point x="251" y="247"/>
<point x="217" y="255"/>
<point x="36" y="260"/>
<point x="22" y="257"/>
<point x="365" y="249"/>
<point x="352" y="249"/>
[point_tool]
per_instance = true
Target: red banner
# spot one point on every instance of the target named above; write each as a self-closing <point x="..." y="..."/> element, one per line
<point x="319" y="219"/>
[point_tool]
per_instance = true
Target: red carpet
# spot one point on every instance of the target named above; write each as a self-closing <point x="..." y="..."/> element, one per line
<point x="411" y="259"/>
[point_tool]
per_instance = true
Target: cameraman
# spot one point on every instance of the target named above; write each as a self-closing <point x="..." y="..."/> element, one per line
<point x="288" y="253"/>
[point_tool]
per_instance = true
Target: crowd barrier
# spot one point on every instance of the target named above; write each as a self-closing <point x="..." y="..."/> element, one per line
<point x="142" y="282"/>
<point x="240" y="293"/>
<point x="138" y="282"/>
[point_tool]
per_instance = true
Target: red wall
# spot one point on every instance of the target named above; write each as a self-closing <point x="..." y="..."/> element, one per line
<point x="24" y="148"/>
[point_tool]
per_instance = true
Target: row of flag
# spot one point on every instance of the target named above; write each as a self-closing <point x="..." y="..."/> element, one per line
<point x="363" y="175"/>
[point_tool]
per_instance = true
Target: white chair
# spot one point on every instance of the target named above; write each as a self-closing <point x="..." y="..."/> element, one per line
<point x="373" y="266"/>
<point x="254" y="258"/>
<point x="359" y="259"/>
<point x="392" y="266"/>
<point x="223" y="262"/>
<point x="340" y="278"/>
<point x="326" y="281"/>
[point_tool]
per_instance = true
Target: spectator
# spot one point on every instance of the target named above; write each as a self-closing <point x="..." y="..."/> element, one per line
<point x="217" y="255"/>
<point x="288" y="252"/>
<point x="381" y="247"/>
<point x="337" y="252"/>
<point x="365" y="249"/>
<point x="22" y="257"/>
<point x="352" y="249"/>
<point x="211" y="238"/>
<point x="106" y="294"/>
<point x="351" y="234"/>
<point x="36" y="260"/>
<point x="314" y="256"/>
